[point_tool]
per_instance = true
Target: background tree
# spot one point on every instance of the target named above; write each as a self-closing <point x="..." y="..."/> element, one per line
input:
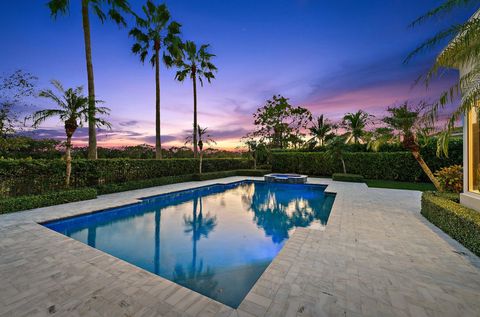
<point x="336" y="149"/>
<point x="379" y="137"/>
<point x="253" y="146"/>
<point x="462" y="53"/>
<point x="203" y="137"/>
<point x="355" y="124"/>
<point x="72" y="109"/>
<point x="278" y="123"/>
<point x="321" y="131"/>
<point x="103" y="9"/>
<point x="195" y="64"/>
<point x="407" y="122"/>
<point x="157" y="34"/>
<point x="14" y="89"/>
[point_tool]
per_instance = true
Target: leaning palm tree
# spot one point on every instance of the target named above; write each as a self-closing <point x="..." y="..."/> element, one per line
<point x="196" y="64"/>
<point x="203" y="137"/>
<point x="355" y="124"/>
<point x="463" y="53"/>
<point x="103" y="9"/>
<point x="157" y="34"/>
<point x="321" y="131"/>
<point x="408" y="124"/>
<point x="73" y="110"/>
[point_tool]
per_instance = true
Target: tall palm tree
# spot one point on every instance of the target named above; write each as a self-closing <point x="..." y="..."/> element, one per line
<point x="156" y="33"/>
<point x="73" y="110"/>
<point x="321" y="131"/>
<point x="202" y="137"/>
<point x="407" y="122"/>
<point x="355" y="124"/>
<point x="103" y="9"/>
<point x="196" y="64"/>
<point x="462" y="53"/>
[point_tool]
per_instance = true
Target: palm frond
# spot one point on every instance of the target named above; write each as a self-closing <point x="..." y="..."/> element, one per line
<point x="58" y="7"/>
<point x="442" y="9"/>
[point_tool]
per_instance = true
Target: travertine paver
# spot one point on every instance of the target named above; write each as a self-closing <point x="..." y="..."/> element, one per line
<point x="376" y="257"/>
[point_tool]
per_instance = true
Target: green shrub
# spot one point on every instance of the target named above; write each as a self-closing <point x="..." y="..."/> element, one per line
<point x="459" y="222"/>
<point x="49" y="199"/>
<point x="399" y="166"/>
<point x="347" y="177"/>
<point x="257" y="172"/>
<point x="451" y="178"/>
<point x="213" y="175"/>
<point x="131" y="185"/>
<point x="29" y="177"/>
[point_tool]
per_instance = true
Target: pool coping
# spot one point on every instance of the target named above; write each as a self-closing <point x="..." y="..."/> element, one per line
<point x="142" y="199"/>
<point x="254" y="304"/>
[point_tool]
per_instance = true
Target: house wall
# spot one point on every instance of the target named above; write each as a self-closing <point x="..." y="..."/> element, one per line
<point x="469" y="197"/>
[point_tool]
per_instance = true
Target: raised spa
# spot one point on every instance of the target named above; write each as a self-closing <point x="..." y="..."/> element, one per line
<point x="286" y="178"/>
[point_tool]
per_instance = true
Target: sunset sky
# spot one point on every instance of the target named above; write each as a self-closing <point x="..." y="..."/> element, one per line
<point x="329" y="56"/>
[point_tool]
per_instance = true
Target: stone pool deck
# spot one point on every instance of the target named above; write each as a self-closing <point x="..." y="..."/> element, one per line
<point x="377" y="257"/>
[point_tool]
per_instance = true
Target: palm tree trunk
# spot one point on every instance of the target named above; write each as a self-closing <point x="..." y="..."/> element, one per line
<point x="68" y="159"/>
<point x="344" y="168"/>
<point x="427" y="170"/>
<point x="158" y="141"/>
<point x="92" y="133"/>
<point x="195" y="124"/>
<point x="201" y="160"/>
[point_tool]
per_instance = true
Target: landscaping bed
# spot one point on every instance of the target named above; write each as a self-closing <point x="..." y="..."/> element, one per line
<point x="37" y="201"/>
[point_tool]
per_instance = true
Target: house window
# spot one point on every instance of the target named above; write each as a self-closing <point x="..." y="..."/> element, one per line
<point x="474" y="150"/>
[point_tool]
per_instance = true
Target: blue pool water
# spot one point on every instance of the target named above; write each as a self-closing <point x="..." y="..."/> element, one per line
<point x="215" y="240"/>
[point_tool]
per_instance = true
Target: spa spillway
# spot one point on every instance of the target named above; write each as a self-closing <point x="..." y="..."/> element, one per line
<point x="286" y="178"/>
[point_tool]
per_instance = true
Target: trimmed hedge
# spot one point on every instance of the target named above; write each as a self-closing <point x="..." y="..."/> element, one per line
<point x="347" y="177"/>
<point x="27" y="177"/>
<point x="399" y="166"/>
<point x="459" y="222"/>
<point x="30" y="202"/>
<point x="121" y="187"/>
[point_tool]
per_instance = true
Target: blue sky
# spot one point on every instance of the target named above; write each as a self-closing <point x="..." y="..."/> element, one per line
<point x="329" y="56"/>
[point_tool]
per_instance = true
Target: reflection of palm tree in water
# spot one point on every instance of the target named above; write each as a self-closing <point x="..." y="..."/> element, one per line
<point x="156" y="259"/>
<point x="277" y="214"/>
<point x="197" y="278"/>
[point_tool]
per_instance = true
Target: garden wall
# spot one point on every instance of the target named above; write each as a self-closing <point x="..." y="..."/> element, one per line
<point x="25" y="177"/>
<point x="399" y="166"/>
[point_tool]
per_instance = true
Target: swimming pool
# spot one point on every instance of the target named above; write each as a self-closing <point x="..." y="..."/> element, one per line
<point x="216" y="240"/>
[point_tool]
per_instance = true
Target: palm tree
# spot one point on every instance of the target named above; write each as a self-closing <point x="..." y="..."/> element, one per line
<point x="73" y="110"/>
<point x="201" y="137"/>
<point x="321" y="131"/>
<point x="408" y="123"/>
<point x="380" y="136"/>
<point x="99" y="7"/>
<point x="355" y="124"/>
<point x="196" y="64"/>
<point x="336" y="149"/>
<point x="156" y="33"/>
<point x="462" y="53"/>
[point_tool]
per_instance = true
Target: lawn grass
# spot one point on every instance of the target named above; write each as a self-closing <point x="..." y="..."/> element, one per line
<point x="377" y="183"/>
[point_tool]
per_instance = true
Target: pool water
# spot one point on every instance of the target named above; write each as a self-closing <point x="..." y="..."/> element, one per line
<point x="215" y="240"/>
